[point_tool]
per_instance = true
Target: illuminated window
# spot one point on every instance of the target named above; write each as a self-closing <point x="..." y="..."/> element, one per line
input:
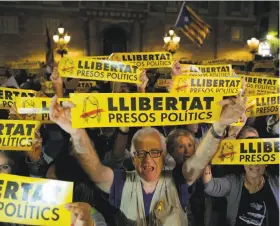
<point x="236" y="34"/>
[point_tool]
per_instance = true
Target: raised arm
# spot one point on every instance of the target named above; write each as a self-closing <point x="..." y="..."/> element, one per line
<point x="232" y="110"/>
<point x="217" y="187"/>
<point x="57" y="82"/>
<point x="101" y="175"/>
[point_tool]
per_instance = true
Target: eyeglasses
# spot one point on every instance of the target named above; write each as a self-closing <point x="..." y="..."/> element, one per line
<point x="5" y="168"/>
<point x="154" y="153"/>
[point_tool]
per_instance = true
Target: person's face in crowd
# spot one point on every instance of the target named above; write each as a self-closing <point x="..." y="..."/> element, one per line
<point x="149" y="168"/>
<point x="51" y="173"/>
<point x="4" y="164"/>
<point x="183" y="150"/>
<point x="192" y="128"/>
<point x="254" y="171"/>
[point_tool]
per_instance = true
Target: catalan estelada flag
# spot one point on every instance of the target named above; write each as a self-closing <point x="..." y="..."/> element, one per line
<point x="192" y="25"/>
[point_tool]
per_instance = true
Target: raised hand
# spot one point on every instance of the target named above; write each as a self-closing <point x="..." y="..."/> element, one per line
<point x="82" y="213"/>
<point x="144" y="81"/>
<point x="35" y="154"/>
<point x="62" y="115"/>
<point x="57" y="82"/>
<point x="176" y="68"/>
<point x="232" y="109"/>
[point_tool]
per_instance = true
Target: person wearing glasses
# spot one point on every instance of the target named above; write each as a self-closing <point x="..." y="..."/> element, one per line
<point x="252" y="197"/>
<point x="149" y="195"/>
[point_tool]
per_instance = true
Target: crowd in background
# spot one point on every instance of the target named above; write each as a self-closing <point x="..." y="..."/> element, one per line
<point x="201" y="195"/>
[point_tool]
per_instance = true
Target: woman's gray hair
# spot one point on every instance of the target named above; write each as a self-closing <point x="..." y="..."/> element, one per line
<point x="146" y="131"/>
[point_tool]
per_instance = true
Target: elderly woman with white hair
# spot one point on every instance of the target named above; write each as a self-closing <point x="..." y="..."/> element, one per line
<point x="149" y="195"/>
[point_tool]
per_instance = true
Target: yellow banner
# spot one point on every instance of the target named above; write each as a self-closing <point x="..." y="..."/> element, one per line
<point x="17" y="134"/>
<point x="247" y="151"/>
<point x="137" y="109"/>
<point x="145" y="59"/>
<point x="104" y="70"/>
<point x="256" y="85"/>
<point x="162" y="83"/>
<point x="84" y="86"/>
<point x="100" y="57"/>
<point x="25" y="65"/>
<point x="224" y="70"/>
<point x="215" y="61"/>
<point x="47" y="87"/>
<point x="202" y="85"/>
<point x="34" y="201"/>
<point x="263" y="105"/>
<point x="8" y="96"/>
<point x="36" y="108"/>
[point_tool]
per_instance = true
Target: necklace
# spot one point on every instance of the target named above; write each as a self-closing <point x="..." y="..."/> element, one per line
<point x="253" y="188"/>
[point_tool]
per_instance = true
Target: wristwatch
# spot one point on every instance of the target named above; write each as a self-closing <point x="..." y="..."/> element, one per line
<point x="214" y="134"/>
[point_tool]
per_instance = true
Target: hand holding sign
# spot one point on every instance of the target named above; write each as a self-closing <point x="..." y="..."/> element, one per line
<point x="233" y="109"/>
<point x="144" y="81"/>
<point x="62" y="115"/>
<point x="57" y="81"/>
<point x="176" y="69"/>
<point x="35" y="154"/>
<point x="82" y="213"/>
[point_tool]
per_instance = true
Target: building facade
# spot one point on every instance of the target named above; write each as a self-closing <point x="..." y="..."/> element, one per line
<point x="99" y="28"/>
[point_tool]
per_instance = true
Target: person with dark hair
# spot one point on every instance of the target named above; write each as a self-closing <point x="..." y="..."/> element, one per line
<point x="13" y="163"/>
<point x="252" y="197"/>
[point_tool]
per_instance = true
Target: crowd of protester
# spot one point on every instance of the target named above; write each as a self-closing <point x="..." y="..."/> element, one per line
<point x="152" y="175"/>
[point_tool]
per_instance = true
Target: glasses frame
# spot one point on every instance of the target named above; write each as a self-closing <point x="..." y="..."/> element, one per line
<point x="148" y="152"/>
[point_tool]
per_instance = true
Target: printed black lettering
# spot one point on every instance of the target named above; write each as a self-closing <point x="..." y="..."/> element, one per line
<point x="122" y="105"/>
<point x="80" y="66"/>
<point x="267" y="147"/>
<point x="26" y="188"/>
<point x="19" y="130"/>
<point x="56" y="215"/>
<point x="157" y="104"/>
<point x="37" y="196"/>
<point x="171" y="103"/>
<point x="196" y="104"/>
<point x="144" y="104"/>
<point x="42" y="213"/>
<point x="111" y="106"/>
<point x="11" y="189"/>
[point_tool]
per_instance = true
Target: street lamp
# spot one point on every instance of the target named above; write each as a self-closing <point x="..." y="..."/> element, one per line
<point x="61" y="41"/>
<point x="171" y="42"/>
<point x="253" y="45"/>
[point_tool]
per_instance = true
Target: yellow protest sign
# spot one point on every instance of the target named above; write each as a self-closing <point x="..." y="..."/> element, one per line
<point x="84" y="86"/>
<point x="47" y="87"/>
<point x="257" y="85"/>
<point x="137" y="109"/>
<point x="145" y="59"/>
<point x="8" y="96"/>
<point x="104" y="70"/>
<point x="247" y="151"/>
<point x="162" y="82"/>
<point x="25" y="65"/>
<point x="206" y="85"/>
<point x="100" y="57"/>
<point x="34" y="201"/>
<point x="215" y="61"/>
<point x="221" y="70"/>
<point x="263" y="105"/>
<point x="17" y="134"/>
<point x="36" y="108"/>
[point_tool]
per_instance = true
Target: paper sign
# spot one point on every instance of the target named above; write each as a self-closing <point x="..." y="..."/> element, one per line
<point x="17" y="134"/>
<point x="154" y="109"/>
<point x="34" y="201"/>
<point x="247" y="151"/>
<point x="8" y="96"/>
<point x="145" y="59"/>
<point x="104" y="70"/>
<point x="206" y="85"/>
<point x="224" y="70"/>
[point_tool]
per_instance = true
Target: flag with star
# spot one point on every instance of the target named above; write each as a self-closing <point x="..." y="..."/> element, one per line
<point x="192" y="25"/>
